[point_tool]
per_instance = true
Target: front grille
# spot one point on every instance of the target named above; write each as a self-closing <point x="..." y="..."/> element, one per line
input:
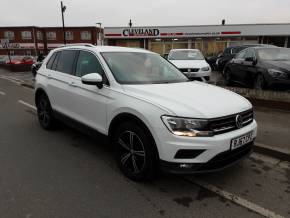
<point x="228" y="123"/>
<point x="189" y="70"/>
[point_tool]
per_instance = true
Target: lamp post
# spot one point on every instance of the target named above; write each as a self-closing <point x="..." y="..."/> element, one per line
<point x="63" y="8"/>
<point x="99" y="33"/>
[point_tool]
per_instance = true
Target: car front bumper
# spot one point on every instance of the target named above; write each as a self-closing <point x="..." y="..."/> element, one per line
<point x="219" y="162"/>
<point x="211" y="147"/>
<point x="204" y="76"/>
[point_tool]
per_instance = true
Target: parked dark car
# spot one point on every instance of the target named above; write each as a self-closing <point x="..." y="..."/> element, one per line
<point x="227" y="55"/>
<point x="260" y="67"/>
<point x="230" y="52"/>
<point x="211" y="60"/>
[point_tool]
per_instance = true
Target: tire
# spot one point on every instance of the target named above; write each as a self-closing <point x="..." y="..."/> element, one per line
<point x="260" y="83"/>
<point x="135" y="152"/>
<point x="44" y="113"/>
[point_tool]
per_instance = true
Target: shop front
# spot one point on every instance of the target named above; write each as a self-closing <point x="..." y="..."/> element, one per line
<point x="211" y="39"/>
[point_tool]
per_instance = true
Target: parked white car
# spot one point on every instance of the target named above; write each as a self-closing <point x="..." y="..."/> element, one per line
<point x="153" y="115"/>
<point x="191" y="63"/>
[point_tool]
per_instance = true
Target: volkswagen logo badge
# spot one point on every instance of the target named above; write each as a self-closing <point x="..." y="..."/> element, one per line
<point x="239" y="121"/>
<point x="189" y="70"/>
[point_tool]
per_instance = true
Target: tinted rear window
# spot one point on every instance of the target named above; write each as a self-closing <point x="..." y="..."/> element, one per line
<point x="66" y="61"/>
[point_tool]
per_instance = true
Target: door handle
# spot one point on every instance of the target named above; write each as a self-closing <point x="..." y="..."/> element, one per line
<point x="49" y="76"/>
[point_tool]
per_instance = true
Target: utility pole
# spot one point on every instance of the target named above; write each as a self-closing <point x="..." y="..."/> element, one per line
<point x="63" y="8"/>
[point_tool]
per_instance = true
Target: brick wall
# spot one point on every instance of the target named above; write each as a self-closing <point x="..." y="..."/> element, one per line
<point x="20" y="46"/>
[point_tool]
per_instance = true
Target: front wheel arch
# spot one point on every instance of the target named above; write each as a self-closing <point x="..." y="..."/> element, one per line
<point x="128" y="117"/>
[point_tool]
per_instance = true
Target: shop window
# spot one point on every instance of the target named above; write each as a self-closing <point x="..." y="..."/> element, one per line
<point x="86" y="35"/>
<point x="12" y="53"/>
<point x="51" y="35"/>
<point x="26" y="35"/>
<point x="9" y="35"/>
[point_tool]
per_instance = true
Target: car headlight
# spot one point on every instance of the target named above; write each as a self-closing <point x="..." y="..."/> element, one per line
<point x="205" y="69"/>
<point x="277" y="73"/>
<point x="187" y="126"/>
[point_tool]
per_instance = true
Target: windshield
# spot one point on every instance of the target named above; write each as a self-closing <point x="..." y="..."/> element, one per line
<point x="274" y="54"/>
<point x="142" y="68"/>
<point x="186" y="55"/>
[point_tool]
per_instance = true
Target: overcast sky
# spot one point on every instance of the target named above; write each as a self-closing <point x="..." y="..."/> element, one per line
<point x="143" y="13"/>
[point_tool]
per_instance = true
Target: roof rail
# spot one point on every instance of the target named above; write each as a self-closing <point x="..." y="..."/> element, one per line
<point x="78" y="44"/>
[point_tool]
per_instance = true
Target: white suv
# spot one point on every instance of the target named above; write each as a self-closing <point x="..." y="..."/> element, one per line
<point x="154" y="116"/>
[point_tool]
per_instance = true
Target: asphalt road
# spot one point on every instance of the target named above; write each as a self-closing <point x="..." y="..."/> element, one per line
<point x="65" y="173"/>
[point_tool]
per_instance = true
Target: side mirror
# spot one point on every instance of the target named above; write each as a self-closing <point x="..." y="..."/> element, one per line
<point x="93" y="79"/>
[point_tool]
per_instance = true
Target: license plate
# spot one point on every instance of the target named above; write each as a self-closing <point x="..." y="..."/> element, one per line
<point x="242" y="140"/>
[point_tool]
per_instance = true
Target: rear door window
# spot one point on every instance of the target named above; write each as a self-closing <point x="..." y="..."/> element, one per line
<point x="66" y="61"/>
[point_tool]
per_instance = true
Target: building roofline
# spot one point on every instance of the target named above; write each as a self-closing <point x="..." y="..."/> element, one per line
<point x="211" y="25"/>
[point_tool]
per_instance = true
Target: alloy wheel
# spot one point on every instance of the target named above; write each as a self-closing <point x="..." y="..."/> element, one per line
<point x="132" y="152"/>
<point x="44" y="112"/>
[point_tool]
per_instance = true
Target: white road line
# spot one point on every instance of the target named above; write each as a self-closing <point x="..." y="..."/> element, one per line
<point x="16" y="81"/>
<point x="2" y="93"/>
<point x="236" y="199"/>
<point x="9" y="79"/>
<point x="27" y="104"/>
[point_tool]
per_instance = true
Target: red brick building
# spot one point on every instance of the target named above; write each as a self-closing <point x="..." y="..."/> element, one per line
<point x="32" y="40"/>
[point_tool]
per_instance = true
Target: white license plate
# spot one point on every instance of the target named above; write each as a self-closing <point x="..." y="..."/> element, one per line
<point x="242" y="140"/>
